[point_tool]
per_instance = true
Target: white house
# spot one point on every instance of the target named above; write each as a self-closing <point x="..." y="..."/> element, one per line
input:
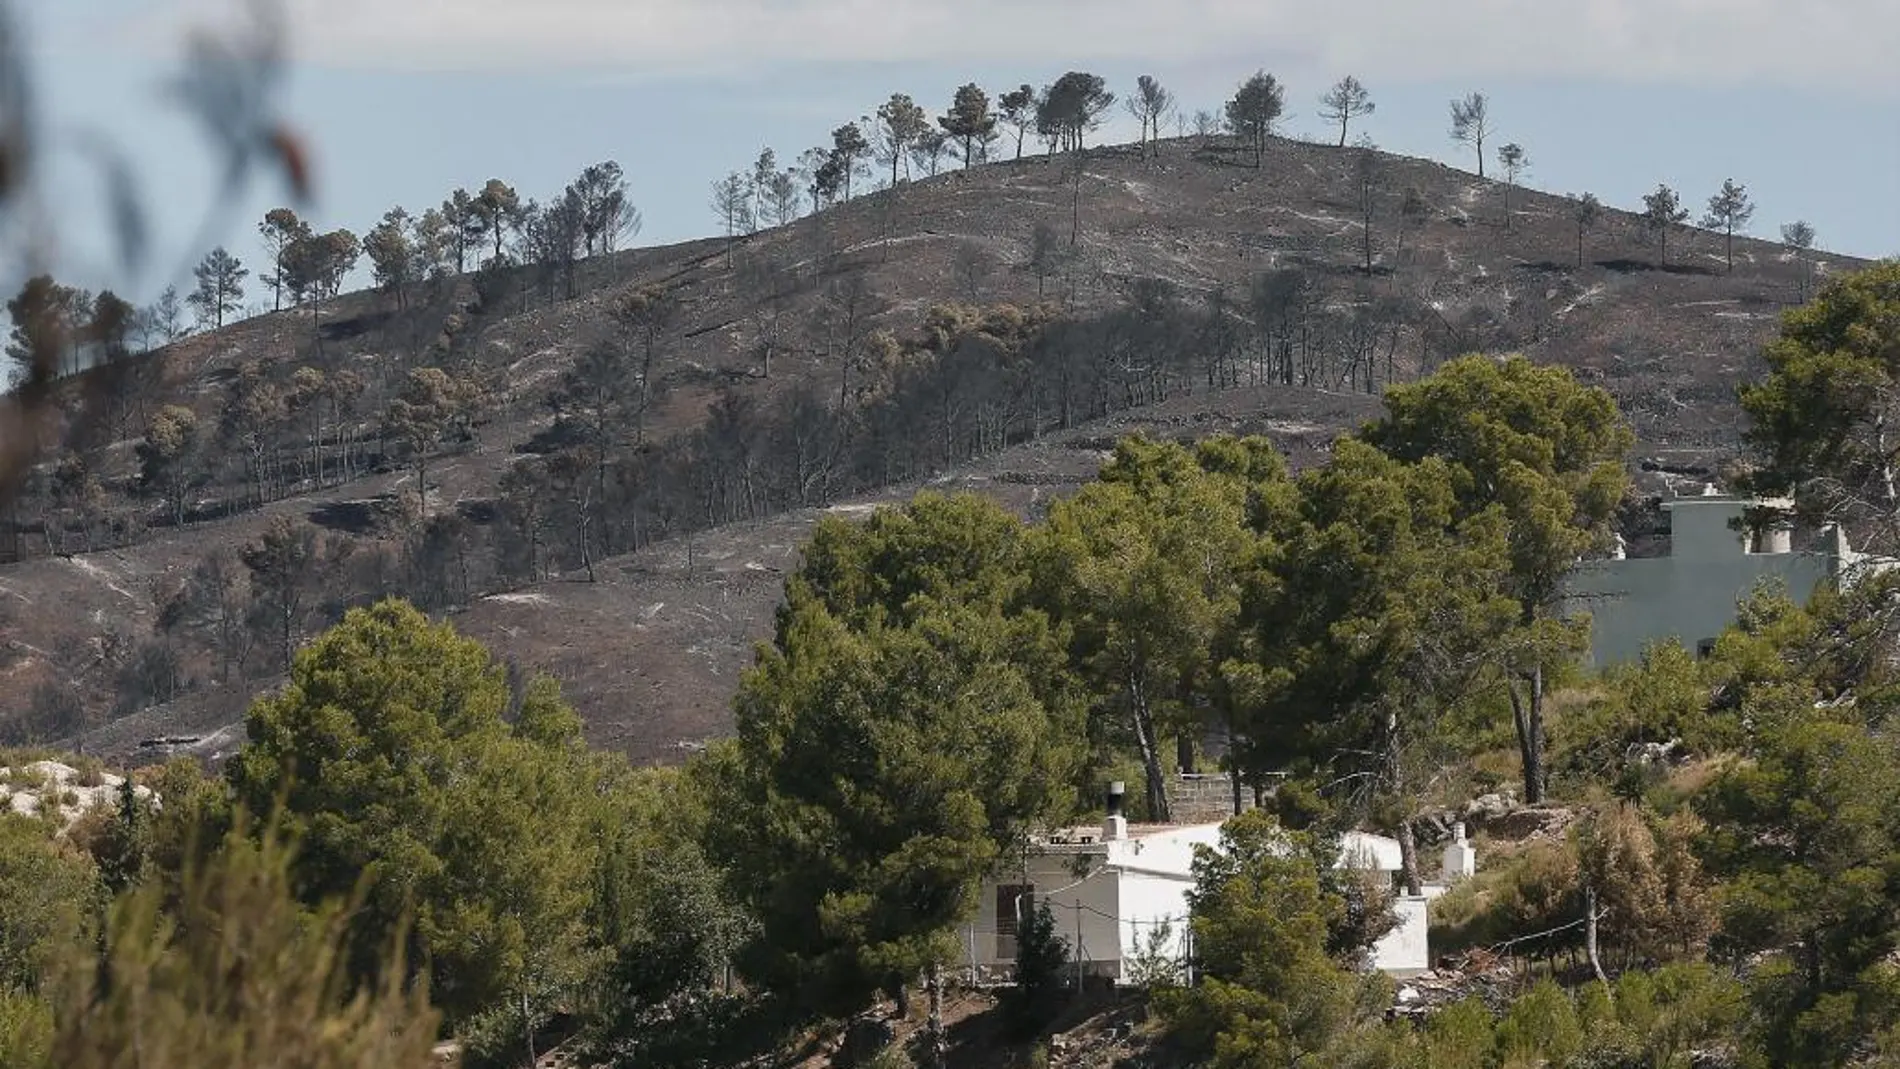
<point x="1691" y="595"/>
<point x="1111" y="887"/>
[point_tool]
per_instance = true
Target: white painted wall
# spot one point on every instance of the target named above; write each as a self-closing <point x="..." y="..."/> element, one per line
<point x="1132" y="884"/>
<point x="1405" y="950"/>
<point x="1170" y="851"/>
<point x="1690" y="595"/>
<point x="1055" y="881"/>
<point x="1146" y="900"/>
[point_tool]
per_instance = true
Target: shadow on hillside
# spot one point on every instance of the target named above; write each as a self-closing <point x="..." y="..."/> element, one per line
<point x="355" y="326"/>
<point x="353" y="517"/>
<point x="561" y="434"/>
<point x="1337" y="270"/>
<point x="1630" y="267"/>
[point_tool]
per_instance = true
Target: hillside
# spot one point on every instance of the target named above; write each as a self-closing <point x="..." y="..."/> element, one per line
<point x="1267" y="320"/>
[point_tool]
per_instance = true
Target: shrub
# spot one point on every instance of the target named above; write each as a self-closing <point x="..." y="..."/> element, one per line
<point x="1043" y="969"/>
<point x="1531" y="891"/>
<point x="236" y="975"/>
<point x="1540" y="1029"/>
<point x="26" y="1030"/>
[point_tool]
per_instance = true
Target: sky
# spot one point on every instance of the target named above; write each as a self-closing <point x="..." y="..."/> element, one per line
<point x="401" y="101"/>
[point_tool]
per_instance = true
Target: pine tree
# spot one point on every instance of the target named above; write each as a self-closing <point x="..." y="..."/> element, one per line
<point x="220" y="286"/>
<point x="1471" y="124"/>
<point x="1345" y="101"/>
<point x="1253" y="110"/>
<point x="1662" y="212"/>
<point x="969" y="120"/>
<point x="1729" y="211"/>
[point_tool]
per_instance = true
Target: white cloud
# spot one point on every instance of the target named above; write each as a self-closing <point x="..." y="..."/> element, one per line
<point x="1813" y="44"/>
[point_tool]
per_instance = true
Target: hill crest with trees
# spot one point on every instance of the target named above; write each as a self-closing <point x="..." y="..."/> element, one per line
<point x="522" y="404"/>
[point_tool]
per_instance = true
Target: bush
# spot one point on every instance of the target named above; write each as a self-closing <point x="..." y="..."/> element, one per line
<point x="1043" y="969"/>
<point x="1531" y="891"/>
<point x="47" y="892"/>
<point x="1663" y="697"/>
<point x="1540" y="1029"/>
<point x="26" y="1030"/>
<point x="235" y="976"/>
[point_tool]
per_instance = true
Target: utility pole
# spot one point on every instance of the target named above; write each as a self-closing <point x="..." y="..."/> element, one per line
<point x="1078" y="945"/>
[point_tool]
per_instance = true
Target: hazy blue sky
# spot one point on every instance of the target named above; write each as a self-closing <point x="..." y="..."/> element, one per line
<point x="403" y="100"/>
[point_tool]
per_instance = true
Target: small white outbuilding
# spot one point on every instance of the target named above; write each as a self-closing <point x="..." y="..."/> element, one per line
<point x="1112" y="888"/>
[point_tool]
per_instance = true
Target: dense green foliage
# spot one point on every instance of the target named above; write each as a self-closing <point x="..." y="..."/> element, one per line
<point x="1269" y="993"/>
<point x="390" y="759"/>
<point x="1548" y="453"/>
<point x="894" y="741"/>
<point x="1819" y="420"/>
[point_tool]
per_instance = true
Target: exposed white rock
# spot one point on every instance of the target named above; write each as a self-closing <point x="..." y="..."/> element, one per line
<point x="49" y="786"/>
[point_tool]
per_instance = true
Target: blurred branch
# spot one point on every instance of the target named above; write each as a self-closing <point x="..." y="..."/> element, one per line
<point x="228" y="83"/>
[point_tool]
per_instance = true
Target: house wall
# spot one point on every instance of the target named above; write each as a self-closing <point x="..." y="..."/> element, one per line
<point x="1056" y="882"/>
<point x="1148" y="900"/>
<point x="1690" y="595"/>
<point x="1405" y="950"/>
<point x="1132" y="884"/>
<point x="1170" y="851"/>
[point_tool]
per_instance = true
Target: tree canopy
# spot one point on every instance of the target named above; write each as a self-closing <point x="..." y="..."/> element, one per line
<point x="388" y="758"/>
<point x="1819" y="418"/>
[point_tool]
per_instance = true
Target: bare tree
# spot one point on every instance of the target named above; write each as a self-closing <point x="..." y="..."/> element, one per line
<point x="1368" y="176"/>
<point x="1045" y="256"/>
<point x="1512" y="158"/>
<point x="1150" y="104"/>
<point x="1206" y="123"/>
<point x="647" y="318"/>
<point x="1471" y="124"/>
<point x="970" y="267"/>
<point x="286" y="567"/>
<point x="732" y="203"/>
<point x="167" y="316"/>
<point x="1345" y="101"/>
<point x="1413" y="213"/>
<point x="1729" y="211"/>
<point x="781" y="197"/>
<point x="211" y="603"/>
<point x="927" y="152"/>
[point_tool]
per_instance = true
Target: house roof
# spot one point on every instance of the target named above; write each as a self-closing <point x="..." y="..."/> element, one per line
<point x="1356" y="848"/>
<point x="1085" y="838"/>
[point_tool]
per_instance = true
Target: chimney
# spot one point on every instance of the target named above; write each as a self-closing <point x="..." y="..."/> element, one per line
<point x="1459" y="859"/>
<point x="1115" y="826"/>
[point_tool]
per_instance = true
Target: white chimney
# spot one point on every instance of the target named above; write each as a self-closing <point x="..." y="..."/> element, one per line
<point x="1460" y="860"/>
<point x="1115" y="826"/>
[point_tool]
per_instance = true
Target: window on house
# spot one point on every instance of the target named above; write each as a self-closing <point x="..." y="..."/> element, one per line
<point x="1007" y="897"/>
